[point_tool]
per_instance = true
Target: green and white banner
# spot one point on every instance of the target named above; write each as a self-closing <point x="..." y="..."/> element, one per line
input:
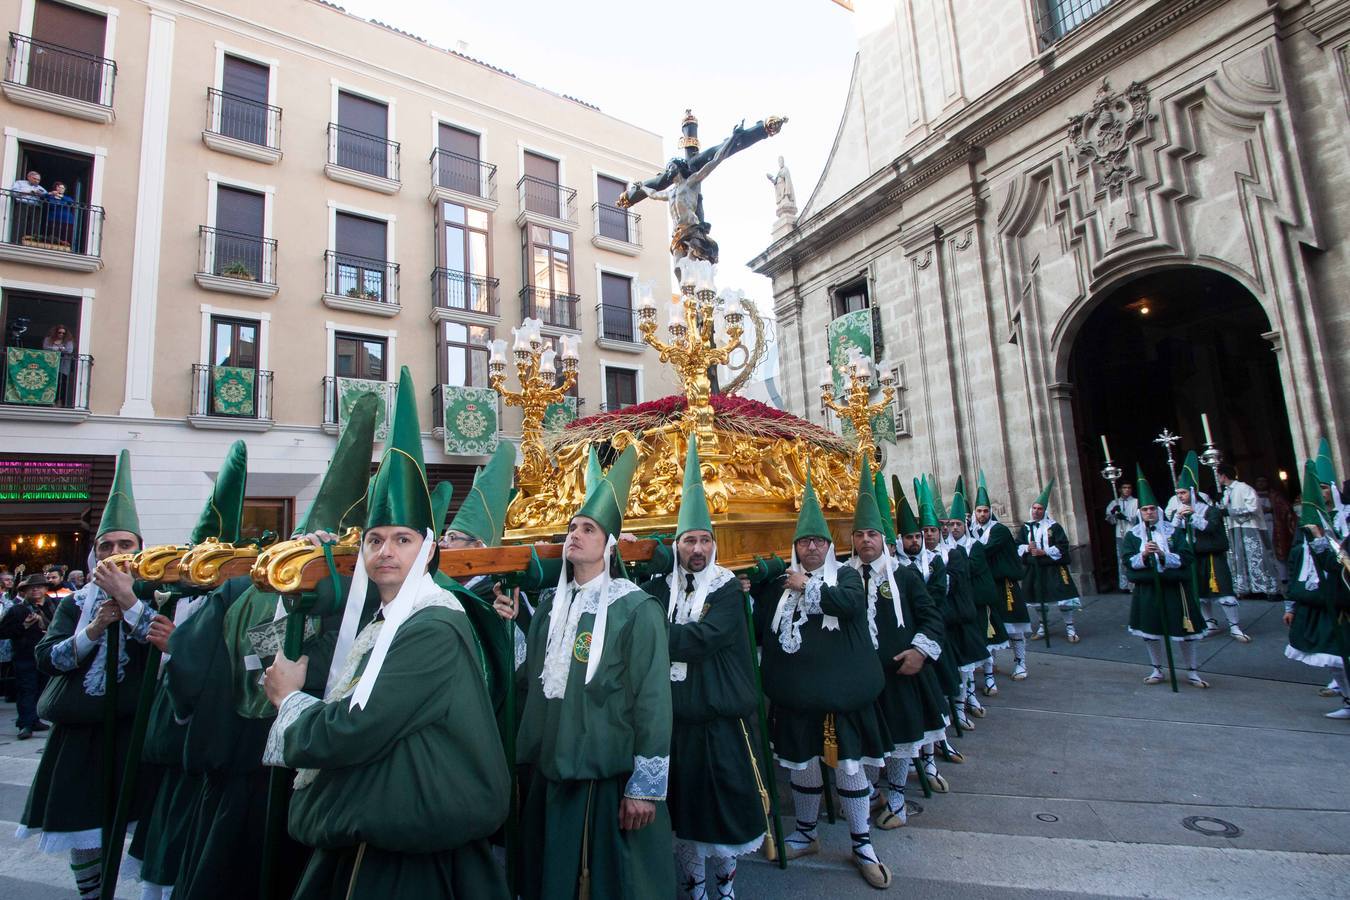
<point x="31" y="376"/>
<point x="558" y="416"/>
<point x="232" y="390"/>
<point x="851" y="330"/>
<point x="883" y="427"/>
<point x="350" y="389"/>
<point x="470" y="420"/>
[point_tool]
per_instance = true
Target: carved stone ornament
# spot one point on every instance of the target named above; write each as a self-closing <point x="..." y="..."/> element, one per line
<point x="1102" y="135"/>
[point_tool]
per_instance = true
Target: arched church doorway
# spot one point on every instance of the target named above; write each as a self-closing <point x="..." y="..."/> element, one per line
<point x="1157" y="352"/>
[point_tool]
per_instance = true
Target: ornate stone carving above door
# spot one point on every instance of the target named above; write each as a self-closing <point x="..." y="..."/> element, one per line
<point x="1102" y="135"/>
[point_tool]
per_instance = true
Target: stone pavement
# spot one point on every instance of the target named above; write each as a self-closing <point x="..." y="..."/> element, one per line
<point x="1079" y="783"/>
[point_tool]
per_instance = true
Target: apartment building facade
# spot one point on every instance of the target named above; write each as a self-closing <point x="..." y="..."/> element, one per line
<point x="267" y="207"/>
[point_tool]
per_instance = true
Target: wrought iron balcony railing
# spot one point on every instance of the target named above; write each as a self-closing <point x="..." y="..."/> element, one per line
<point x="230" y="254"/>
<point x="48" y="223"/>
<point x="361" y="278"/>
<point x="617" y="224"/>
<point x="71" y="371"/>
<point x="451" y="289"/>
<point x="547" y="198"/>
<point x="463" y="174"/>
<point x="60" y="70"/>
<point x="550" y="307"/>
<point x="231" y="392"/>
<point x="617" y="322"/>
<point x="361" y="152"/>
<point x="232" y="116"/>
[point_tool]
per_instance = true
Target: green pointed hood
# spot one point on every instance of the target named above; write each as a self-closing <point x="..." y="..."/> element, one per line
<point x="593" y="470"/>
<point x="982" y="493"/>
<point x="866" y="512"/>
<point x="693" y="501"/>
<point x="225" y="507"/>
<point x="811" y="520"/>
<point x="1311" y="512"/>
<point x="1142" y="490"/>
<point x="1044" y="497"/>
<point x="927" y="511"/>
<point x="905" y="520"/>
<point x="1326" y="471"/>
<point x="341" y="500"/>
<point x="935" y="496"/>
<point x="960" y="510"/>
<point x="440" y="505"/>
<point x="607" y="502"/>
<point x="483" y="513"/>
<point x="119" y="513"/>
<point x="884" y="505"/>
<point x="399" y="494"/>
<point x="1190" y="474"/>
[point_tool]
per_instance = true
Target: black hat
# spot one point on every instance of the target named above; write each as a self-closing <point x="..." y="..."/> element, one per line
<point x="37" y="579"/>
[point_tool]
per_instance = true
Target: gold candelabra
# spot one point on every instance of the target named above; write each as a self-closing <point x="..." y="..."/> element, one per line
<point x="539" y="386"/>
<point x="858" y="409"/>
<point x="692" y="348"/>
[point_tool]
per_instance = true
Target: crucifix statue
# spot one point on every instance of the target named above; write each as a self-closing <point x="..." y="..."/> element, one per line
<point x="681" y="183"/>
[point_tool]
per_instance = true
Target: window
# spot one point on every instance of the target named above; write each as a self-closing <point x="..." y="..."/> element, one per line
<point x="543" y="194"/>
<point x="263" y="514"/>
<point x="617" y="322"/>
<point x="359" y="356"/>
<point x="363" y="134"/>
<point x="465" y="354"/>
<point x="359" y="262"/>
<point x="65" y="53"/>
<point x="611" y="221"/>
<point x="48" y="322"/>
<point x="244" y="113"/>
<point x="552" y="342"/>
<point x="465" y="244"/>
<point x="458" y="167"/>
<point x="73" y="226"/>
<point x="548" y="259"/>
<point x="1056" y="18"/>
<point x="234" y="342"/>
<point x="621" y="388"/>
<point x="851" y="297"/>
<point x="239" y="233"/>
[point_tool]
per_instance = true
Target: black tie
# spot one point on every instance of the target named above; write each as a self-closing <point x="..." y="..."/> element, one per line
<point x="688" y="583"/>
<point x="867" y="577"/>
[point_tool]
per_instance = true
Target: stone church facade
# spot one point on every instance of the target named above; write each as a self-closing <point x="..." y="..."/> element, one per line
<point x="999" y="172"/>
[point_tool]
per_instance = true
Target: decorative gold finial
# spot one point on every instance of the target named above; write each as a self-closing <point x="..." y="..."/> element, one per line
<point x="539" y="387"/>
<point x="858" y="410"/>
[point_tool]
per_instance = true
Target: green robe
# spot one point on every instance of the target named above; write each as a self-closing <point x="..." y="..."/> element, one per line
<point x="1047" y="580"/>
<point x="1148" y="606"/>
<point x="912" y="705"/>
<point x="211" y="686"/>
<point x="714" y="772"/>
<point x="984" y="591"/>
<point x="585" y="746"/>
<point x="964" y="631"/>
<point x="66" y="800"/>
<point x="936" y="580"/>
<point x="1213" y="577"/>
<point x="1320" y="633"/>
<point x="1006" y="569"/>
<point x="409" y="787"/>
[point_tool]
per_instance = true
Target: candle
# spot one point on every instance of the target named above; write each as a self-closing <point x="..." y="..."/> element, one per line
<point x="546" y="362"/>
<point x="827" y="377"/>
<point x="645" y="299"/>
<point x="1204" y="420"/>
<point x="569" y="347"/>
<point x="704" y="276"/>
<point x="498" y="350"/>
<point x="522" y="341"/>
<point x="1106" y="449"/>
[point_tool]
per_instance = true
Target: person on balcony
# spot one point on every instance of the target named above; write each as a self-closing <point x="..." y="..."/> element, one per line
<point x="60" y="340"/>
<point x="26" y="195"/>
<point x="60" y="224"/>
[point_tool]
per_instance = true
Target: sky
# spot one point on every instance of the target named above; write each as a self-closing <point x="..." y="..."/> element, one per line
<point x="645" y="62"/>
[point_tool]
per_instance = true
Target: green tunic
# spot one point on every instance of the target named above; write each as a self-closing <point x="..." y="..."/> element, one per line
<point x="964" y="630"/>
<point x="212" y="686"/>
<point x="984" y="591"/>
<point x="1047" y="579"/>
<point x="409" y="787"/>
<point x="596" y="744"/>
<point x="1006" y="569"/>
<point x="823" y="674"/>
<point x="947" y="669"/>
<point x="714" y="779"/>
<point x="1147" y="606"/>
<point x="1213" y="577"/>
<point x="1320" y="633"/>
<point x="912" y="705"/>
<point x="66" y="801"/>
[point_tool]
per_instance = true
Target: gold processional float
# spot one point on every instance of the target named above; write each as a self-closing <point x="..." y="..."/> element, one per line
<point x="750" y="453"/>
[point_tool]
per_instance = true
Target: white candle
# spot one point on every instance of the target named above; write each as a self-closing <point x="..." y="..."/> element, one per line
<point x="1204" y="421"/>
<point x="645" y="299"/>
<point x="1106" y="449"/>
<point x="569" y="347"/>
<point x="827" y="377"/>
<point x="675" y="314"/>
<point x="498" y="350"/>
<point x="546" y="362"/>
<point x="522" y="341"/>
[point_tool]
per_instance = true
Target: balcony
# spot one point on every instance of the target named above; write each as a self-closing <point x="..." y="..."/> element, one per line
<point x="45" y="385"/>
<point x="553" y="308"/>
<point x="365" y="160"/>
<point x="231" y="398"/>
<point x="617" y="230"/>
<point x="237" y="263"/>
<point x="1056" y="18"/>
<point x="360" y="284"/>
<point x="469" y="297"/>
<point x="60" y="80"/>
<point x="463" y="179"/>
<point x="43" y="231"/>
<point x="546" y="203"/>
<point x="339" y="393"/>
<point x="242" y="127"/>
<point x="618" y="328"/>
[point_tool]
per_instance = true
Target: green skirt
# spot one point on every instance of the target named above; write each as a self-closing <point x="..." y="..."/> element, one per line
<point x="914" y="709"/>
<point x="66" y="797"/>
<point x="714" y="784"/>
<point x="995" y="635"/>
<point x="1010" y="607"/>
<point x="563" y="819"/>
<point x="1213" y="575"/>
<point x="163" y="835"/>
<point x="1318" y="636"/>
<point x="799" y="737"/>
<point x="364" y="872"/>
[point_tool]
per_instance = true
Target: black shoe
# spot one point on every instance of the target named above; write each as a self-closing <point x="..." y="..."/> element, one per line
<point x="25" y="733"/>
<point x="42" y="726"/>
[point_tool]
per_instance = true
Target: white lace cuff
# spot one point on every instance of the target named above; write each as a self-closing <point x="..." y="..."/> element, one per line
<point x="1053" y="553"/>
<point x="290" y="709"/>
<point x="1022" y="549"/>
<point x="1137" y="561"/>
<point x="648" y="781"/>
<point x="926" y="645"/>
<point x="1172" y="560"/>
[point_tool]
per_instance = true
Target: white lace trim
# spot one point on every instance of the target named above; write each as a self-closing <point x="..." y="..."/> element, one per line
<point x="926" y="645"/>
<point x="287" y="713"/>
<point x="558" y="653"/>
<point x="686" y="608"/>
<point x="649" y="778"/>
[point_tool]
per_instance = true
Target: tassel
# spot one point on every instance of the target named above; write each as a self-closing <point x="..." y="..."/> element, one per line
<point x="1007" y="589"/>
<point x="584" y="882"/>
<point x="1213" y="578"/>
<point x="1064" y="573"/>
<point x="1185" y="612"/>
<point x="831" y="755"/>
<point x="989" y="626"/>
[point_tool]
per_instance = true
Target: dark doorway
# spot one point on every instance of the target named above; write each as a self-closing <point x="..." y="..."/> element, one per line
<point x="1158" y="352"/>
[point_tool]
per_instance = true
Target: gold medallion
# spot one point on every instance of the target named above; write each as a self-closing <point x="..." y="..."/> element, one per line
<point x="581" y="649"/>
